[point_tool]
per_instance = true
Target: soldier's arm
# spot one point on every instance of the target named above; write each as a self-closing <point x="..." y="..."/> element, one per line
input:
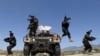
<point x="6" y="39"/>
<point x="36" y="21"/>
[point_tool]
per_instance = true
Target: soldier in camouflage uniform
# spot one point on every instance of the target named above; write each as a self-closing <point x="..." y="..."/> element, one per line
<point x="33" y="25"/>
<point x="12" y="42"/>
<point x="65" y="26"/>
<point x="86" y="40"/>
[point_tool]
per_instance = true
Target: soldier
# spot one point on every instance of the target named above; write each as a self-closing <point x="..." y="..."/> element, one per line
<point x="12" y="42"/>
<point x="65" y="26"/>
<point x="86" y="40"/>
<point x="33" y="25"/>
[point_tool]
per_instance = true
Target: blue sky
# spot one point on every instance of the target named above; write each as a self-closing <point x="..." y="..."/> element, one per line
<point x="84" y="14"/>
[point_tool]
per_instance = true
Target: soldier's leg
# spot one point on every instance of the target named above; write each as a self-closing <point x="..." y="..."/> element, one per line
<point x="30" y="32"/>
<point x="64" y="32"/>
<point x="85" y="46"/>
<point x="34" y="30"/>
<point x="68" y="33"/>
<point x="9" y="49"/>
<point x="69" y="36"/>
<point x="90" y="48"/>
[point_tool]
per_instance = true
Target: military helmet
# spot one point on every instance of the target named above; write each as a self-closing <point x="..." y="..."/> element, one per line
<point x="11" y="33"/>
<point x="88" y="32"/>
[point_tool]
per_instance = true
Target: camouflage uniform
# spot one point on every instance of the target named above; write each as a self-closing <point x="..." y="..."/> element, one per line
<point x="12" y="42"/>
<point x="33" y="25"/>
<point x="65" y="26"/>
<point x="86" y="40"/>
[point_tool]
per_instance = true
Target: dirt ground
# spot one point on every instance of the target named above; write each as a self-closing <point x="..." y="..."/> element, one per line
<point x="95" y="54"/>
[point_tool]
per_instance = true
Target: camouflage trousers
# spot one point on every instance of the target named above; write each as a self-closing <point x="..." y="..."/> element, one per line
<point x="9" y="49"/>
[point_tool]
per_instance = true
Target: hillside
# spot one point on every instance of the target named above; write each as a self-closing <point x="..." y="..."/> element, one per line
<point x="74" y="48"/>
